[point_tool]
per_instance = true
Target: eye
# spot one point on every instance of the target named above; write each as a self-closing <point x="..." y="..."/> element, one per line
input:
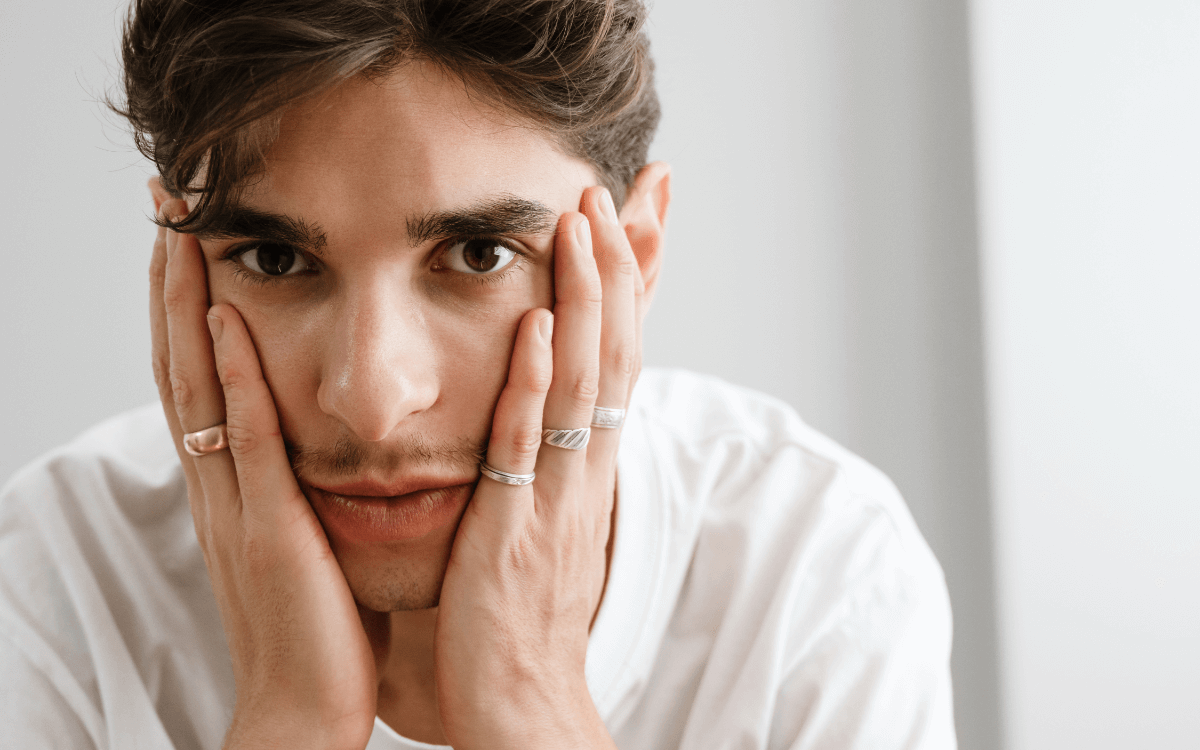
<point x="478" y="256"/>
<point x="272" y="259"/>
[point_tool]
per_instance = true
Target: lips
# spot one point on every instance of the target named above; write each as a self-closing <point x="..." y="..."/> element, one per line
<point x="372" y="512"/>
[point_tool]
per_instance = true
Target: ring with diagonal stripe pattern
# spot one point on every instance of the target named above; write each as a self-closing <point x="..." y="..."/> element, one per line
<point x="572" y="440"/>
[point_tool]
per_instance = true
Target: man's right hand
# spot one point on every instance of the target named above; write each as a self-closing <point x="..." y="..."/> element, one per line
<point x="303" y="665"/>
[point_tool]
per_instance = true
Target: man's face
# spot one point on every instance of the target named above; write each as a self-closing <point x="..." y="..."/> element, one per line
<point x="401" y="230"/>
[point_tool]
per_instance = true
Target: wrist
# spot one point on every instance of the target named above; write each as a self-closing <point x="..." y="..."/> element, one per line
<point x="267" y="730"/>
<point x="566" y="719"/>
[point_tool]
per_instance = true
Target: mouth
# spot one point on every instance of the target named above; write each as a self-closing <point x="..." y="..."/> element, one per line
<point x="371" y="512"/>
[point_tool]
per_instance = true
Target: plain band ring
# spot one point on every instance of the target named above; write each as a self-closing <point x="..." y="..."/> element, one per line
<point x="607" y="419"/>
<point x="503" y="477"/>
<point x="209" y="440"/>
<point x="572" y="440"/>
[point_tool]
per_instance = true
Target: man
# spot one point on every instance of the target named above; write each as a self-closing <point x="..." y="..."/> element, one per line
<point x="406" y="492"/>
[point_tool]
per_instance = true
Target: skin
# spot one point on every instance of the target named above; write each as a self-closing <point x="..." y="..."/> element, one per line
<point x="385" y="361"/>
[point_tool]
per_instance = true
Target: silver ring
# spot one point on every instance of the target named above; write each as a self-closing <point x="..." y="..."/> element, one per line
<point x="572" y="440"/>
<point x="503" y="477"/>
<point x="607" y="419"/>
<point x="209" y="440"/>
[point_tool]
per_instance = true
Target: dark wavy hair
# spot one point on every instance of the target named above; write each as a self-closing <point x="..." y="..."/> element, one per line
<point x="206" y="82"/>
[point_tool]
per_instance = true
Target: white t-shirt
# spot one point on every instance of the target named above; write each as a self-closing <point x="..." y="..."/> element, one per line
<point x="767" y="590"/>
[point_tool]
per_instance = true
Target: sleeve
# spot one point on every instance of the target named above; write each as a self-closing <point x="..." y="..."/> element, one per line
<point x="33" y="711"/>
<point x="878" y="677"/>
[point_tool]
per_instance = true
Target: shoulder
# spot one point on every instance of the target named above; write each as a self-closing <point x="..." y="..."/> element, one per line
<point x="740" y="438"/>
<point x="734" y="458"/>
<point x="133" y="444"/>
<point x="86" y="505"/>
<point x="99" y="497"/>
<point x="87" y="533"/>
<point x="128" y="458"/>
<point x="797" y="560"/>
<point x="103" y="591"/>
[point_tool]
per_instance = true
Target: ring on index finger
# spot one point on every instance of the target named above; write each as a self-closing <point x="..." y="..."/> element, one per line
<point x="503" y="477"/>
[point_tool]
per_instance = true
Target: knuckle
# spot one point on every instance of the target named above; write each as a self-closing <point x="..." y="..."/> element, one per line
<point x="160" y="365"/>
<point x="624" y="359"/>
<point x="243" y="441"/>
<point x="231" y="376"/>
<point x="525" y="443"/>
<point x="158" y="271"/>
<point x="587" y="293"/>
<point x="586" y="385"/>
<point x="181" y="390"/>
<point x="623" y="265"/>
<point x="536" y="381"/>
<point x="591" y="298"/>
<point x="174" y="298"/>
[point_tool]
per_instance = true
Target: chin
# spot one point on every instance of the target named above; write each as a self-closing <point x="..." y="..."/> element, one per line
<point x="399" y="584"/>
<point x="396" y="587"/>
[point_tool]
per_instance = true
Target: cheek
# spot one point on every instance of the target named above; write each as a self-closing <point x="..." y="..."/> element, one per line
<point x="285" y="340"/>
<point x="477" y="340"/>
<point x="289" y="353"/>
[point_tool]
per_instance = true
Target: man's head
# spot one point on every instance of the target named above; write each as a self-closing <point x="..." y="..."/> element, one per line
<point x="383" y="227"/>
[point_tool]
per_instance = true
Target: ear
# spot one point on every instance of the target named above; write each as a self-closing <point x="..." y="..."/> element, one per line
<point x="158" y="193"/>
<point x="644" y="218"/>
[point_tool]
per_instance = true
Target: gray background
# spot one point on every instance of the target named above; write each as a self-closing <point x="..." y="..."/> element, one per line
<point x="959" y="237"/>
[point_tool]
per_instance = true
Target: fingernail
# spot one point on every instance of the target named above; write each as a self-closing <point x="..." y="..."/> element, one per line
<point x="215" y="326"/>
<point x="606" y="206"/>
<point x="583" y="233"/>
<point x="546" y="328"/>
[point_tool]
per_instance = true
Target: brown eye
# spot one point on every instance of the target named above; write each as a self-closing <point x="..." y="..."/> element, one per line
<point x="273" y="259"/>
<point x="478" y="256"/>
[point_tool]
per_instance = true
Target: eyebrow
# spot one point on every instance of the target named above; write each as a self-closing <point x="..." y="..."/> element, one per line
<point x="504" y="214"/>
<point x="241" y="221"/>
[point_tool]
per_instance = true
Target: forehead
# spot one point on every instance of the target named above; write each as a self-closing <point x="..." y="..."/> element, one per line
<point x="414" y="141"/>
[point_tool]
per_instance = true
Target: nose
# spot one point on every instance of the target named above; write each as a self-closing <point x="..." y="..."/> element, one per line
<point x="379" y="367"/>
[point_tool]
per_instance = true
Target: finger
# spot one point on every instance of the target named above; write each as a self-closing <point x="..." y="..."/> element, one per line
<point x="160" y="351"/>
<point x="265" y="479"/>
<point x="192" y="372"/>
<point x="576" y="342"/>
<point x="517" y="423"/>
<point x="618" y="272"/>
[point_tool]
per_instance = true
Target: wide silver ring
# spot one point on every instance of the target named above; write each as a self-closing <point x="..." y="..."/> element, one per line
<point x="209" y="440"/>
<point x="503" y="477"/>
<point x="572" y="440"/>
<point x="607" y="419"/>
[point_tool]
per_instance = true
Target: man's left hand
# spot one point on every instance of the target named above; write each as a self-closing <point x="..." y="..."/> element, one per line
<point x="529" y="563"/>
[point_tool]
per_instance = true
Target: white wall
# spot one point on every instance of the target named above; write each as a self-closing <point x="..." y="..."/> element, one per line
<point x="1089" y="143"/>
<point x="74" y="334"/>
<point x="822" y="247"/>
